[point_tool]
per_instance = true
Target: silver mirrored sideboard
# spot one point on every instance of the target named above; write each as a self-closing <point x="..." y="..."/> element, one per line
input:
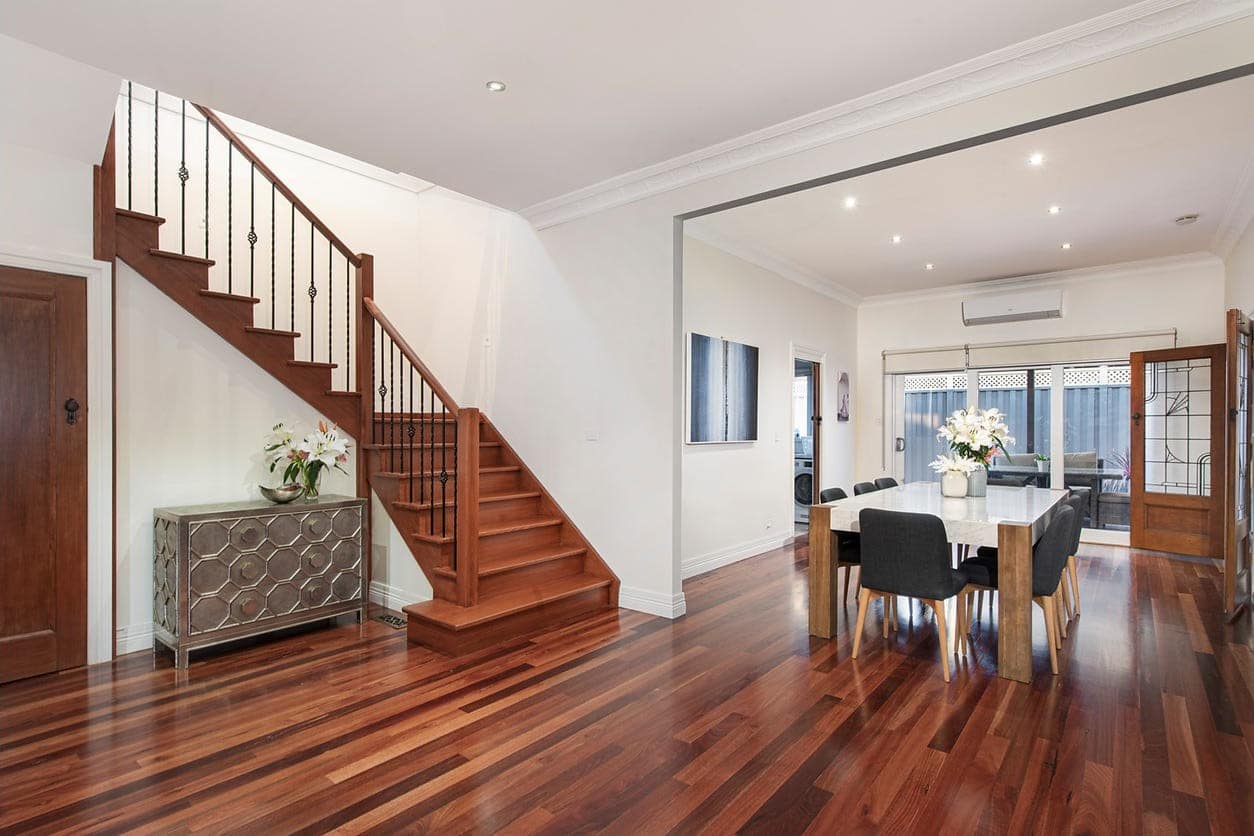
<point x="232" y="570"/>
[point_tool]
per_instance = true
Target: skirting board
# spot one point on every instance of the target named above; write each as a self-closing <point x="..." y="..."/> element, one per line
<point x="393" y="597"/>
<point x="723" y="557"/>
<point x="653" y="603"/>
<point x="134" y="638"/>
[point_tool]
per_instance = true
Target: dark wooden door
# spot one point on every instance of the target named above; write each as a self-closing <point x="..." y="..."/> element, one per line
<point x="1179" y="457"/>
<point x="1237" y="504"/>
<point x="43" y="462"/>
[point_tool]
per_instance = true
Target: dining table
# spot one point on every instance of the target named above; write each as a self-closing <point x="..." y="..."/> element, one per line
<point x="1012" y="519"/>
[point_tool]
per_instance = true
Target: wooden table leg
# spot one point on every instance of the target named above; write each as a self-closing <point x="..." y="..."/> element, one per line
<point x="822" y="573"/>
<point x="1014" y="602"/>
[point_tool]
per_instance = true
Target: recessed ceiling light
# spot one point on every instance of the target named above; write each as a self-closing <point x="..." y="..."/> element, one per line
<point x="851" y="202"/>
<point x="1066" y="245"/>
<point x="929" y="266"/>
<point x="1036" y="159"/>
<point x="496" y="86"/>
<point x="1054" y="210"/>
<point x="896" y="239"/>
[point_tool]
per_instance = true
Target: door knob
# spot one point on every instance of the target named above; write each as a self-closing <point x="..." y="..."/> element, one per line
<point x="71" y="411"/>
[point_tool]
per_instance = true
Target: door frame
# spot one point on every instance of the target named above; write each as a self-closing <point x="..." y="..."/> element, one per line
<point x="1236" y="584"/>
<point x="796" y="352"/>
<point x="1215" y="503"/>
<point x="100" y="489"/>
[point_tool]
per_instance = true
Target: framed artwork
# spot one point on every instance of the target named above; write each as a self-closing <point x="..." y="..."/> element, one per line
<point x="842" y="397"/>
<point x="722" y="390"/>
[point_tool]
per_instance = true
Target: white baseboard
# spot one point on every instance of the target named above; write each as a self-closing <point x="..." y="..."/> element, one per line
<point x="393" y="597"/>
<point x="653" y="603"/>
<point x="134" y="637"/>
<point x="723" y="557"/>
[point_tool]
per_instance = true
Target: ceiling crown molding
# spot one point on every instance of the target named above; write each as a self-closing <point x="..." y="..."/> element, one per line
<point x="1101" y="38"/>
<point x="772" y="262"/>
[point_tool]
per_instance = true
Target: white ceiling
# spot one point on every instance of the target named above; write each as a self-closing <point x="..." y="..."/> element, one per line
<point x="979" y="214"/>
<point x="595" y="89"/>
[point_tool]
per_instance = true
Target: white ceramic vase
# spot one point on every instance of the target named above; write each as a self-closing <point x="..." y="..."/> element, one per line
<point x="977" y="482"/>
<point x="953" y="484"/>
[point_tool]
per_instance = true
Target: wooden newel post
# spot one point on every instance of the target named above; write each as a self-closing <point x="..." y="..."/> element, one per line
<point x="365" y="387"/>
<point x="467" y="506"/>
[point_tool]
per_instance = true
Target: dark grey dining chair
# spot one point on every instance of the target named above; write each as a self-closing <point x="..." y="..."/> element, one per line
<point x="885" y="482"/>
<point x="864" y="487"/>
<point x="907" y="554"/>
<point x="1049" y="559"/>
<point x="846" y="545"/>
<point x="832" y="495"/>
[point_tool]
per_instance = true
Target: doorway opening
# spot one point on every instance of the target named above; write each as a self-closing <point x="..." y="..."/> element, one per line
<point x="806" y="419"/>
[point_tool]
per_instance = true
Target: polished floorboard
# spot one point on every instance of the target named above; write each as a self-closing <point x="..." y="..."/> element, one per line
<point x="731" y="719"/>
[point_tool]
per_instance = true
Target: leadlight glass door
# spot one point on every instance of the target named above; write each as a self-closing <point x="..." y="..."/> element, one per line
<point x="1237" y="534"/>
<point x="1178" y="450"/>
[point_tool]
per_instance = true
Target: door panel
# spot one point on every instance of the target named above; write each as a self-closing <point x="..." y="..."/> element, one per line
<point x="1178" y="450"/>
<point x="1237" y="573"/>
<point x="43" y="455"/>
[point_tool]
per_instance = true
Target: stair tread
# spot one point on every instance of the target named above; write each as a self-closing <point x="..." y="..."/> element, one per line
<point x="195" y="259"/>
<point x="338" y="393"/>
<point x="140" y="216"/>
<point x="313" y="364"/>
<point x="217" y="294"/>
<point x="518" y="560"/>
<point x="508" y="603"/>
<point x="278" y="332"/>
<point x="488" y="498"/>
<point x="525" y="524"/>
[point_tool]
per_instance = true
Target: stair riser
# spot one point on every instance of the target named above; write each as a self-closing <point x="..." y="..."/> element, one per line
<point x="513" y="509"/>
<point x="399" y="460"/>
<point x="502" y="545"/>
<point x="501" y="482"/>
<point x="143" y="233"/>
<point x="528" y="575"/>
<point x="491" y="457"/>
<point x="457" y="642"/>
<point x="424" y="490"/>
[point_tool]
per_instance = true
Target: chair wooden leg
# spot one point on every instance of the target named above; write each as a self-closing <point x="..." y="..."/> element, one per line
<point x="1075" y="582"/>
<point x="1059" y="595"/>
<point x="939" y="608"/>
<point x="979" y="604"/>
<point x="960" y="613"/>
<point x="844" y="596"/>
<point x="1051" y="631"/>
<point x="888" y="613"/>
<point x="864" y="598"/>
<point x="1065" y="597"/>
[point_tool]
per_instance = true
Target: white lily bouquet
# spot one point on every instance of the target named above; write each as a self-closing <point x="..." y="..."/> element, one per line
<point x="976" y="434"/>
<point x="953" y="464"/>
<point x="304" y="460"/>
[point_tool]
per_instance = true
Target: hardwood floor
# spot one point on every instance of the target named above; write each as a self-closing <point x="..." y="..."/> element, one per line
<point x="730" y="719"/>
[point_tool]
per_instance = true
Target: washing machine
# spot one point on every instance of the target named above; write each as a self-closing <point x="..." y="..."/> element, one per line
<point x="802" y="478"/>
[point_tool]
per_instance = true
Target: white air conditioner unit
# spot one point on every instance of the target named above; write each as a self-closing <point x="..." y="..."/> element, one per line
<point x="1012" y="307"/>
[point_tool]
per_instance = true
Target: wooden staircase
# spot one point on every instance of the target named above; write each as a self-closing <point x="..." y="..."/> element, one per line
<point x="502" y="557"/>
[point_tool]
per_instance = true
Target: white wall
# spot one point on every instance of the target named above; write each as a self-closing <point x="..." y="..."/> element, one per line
<point x="1185" y="294"/>
<point x="1239" y="272"/>
<point x="737" y="498"/>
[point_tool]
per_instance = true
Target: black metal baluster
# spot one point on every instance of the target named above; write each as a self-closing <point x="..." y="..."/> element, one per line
<point x="312" y="291"/>
<point x="291" y="291"/>
<point x="409" y="431"/>
<point x="422" y="438"/>
<point x="374" y="375"/>
<point x="230" y="211"/>
<point x="402" y="412"/>
<point x="274" y="245"/>
<point x="156" y="135"/>
<point x="348" y="322"/>
<point x="183" y="175"/>
<point x="252" y="228"/>
<point x="330" y="309"/>
<point x="392" y="401"/>
<point x="456" y="430"/>
<point x="383" y="386"/>
<point x="206" y="188"/>
<point x="130" y="99"/>
<point x="443" y="467"/>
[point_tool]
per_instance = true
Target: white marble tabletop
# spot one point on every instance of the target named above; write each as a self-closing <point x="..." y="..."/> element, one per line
<point x="970" y="520"/>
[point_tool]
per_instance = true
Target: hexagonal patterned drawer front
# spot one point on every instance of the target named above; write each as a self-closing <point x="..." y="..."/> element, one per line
<point x="253" y="567"/>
